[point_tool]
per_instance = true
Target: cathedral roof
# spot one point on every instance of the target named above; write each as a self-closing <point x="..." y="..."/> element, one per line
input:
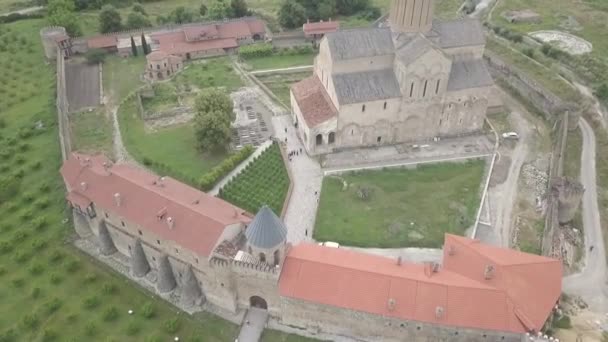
<point x="413" y="49"/>
<point x="360" y="43"/>
<point x="461" y="32"/>
<point x="355" y="87"/>
<point x="469" y="74"/>
<point x="266" y="230"/>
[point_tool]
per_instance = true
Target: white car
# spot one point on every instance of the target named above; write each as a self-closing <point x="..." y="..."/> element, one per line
<point x="510" y="135"/>
<point x="329" y="244"/>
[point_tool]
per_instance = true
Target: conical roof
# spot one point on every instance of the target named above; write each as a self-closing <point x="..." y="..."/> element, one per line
<point x="266" y="230"/>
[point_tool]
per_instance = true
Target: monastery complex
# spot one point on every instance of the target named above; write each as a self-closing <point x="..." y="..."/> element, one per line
<point x="213" y="254"/>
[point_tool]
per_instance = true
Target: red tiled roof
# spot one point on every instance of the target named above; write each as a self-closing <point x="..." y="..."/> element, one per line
<point x="78" y="200"/>
<point x="256" y="26"/>
<point x="156" y="56"/>
<point x="321" y="27"/>
<point x="194" y="33"/>
<point x="175" y="43"/>
<point x="363" y="282"/>
<point x="102" y="42"/>
<point x="313" y="100"/>
<point x="532" y="282"/>
<point x="199" y="219"/>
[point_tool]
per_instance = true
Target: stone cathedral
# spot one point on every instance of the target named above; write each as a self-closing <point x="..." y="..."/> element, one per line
<point x="416" y="80"/>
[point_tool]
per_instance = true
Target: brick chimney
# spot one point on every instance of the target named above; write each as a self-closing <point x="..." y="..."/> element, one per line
<point x="118" y="199"/>
<point x="83" y="186"/>
<point x="488" y="272"/>
<point x="170" y="222"/>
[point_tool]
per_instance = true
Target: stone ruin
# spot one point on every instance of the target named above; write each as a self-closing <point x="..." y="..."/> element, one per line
<point x="523" y="16"/>
<point x="569" y="194"/>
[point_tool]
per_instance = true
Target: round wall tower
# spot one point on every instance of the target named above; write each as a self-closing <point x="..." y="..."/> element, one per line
<point x="569" y="196"/>
<point x="49" y="36"/>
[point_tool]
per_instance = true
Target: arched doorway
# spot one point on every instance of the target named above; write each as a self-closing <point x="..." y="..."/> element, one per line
<point x="258" y="302"/>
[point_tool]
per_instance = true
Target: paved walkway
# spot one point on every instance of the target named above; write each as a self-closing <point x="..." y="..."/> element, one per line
<point x="307" y="178"/>
<point x="239" y="168"/>
<point x="253" y="325"/>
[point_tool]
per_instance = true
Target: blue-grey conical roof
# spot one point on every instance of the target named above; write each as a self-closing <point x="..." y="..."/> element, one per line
<point x="266" y="230"/>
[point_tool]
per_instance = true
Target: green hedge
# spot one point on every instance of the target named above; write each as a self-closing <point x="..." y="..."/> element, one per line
<point x="208" y="180"/>
<point x="256" y="50"/>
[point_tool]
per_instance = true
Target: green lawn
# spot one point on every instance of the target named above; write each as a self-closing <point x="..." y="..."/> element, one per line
<point x="174" y="147"/>
<point x="12" y="5"/>
<point x="447" y="9"/>
<point x="121" y="76"/>
<point x="214" y="72"/>
<point x="49" y="291"/>
<point x="91" y="132"/>
<point x="402" y="207"/>
<point x="279" y="83"/>
<point x="264" y="182"/>
<point x="572" y="155"/>
<point x="165" y="97"/>
<point x="277" y="62"/>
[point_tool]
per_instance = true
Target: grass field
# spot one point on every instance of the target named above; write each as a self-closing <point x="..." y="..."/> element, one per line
<point x="572" y="156"/>
<point x="121" y="76"/>
<point x="12" y="5"/>
<point x="279" y="83"/>
<point x="48" y="290"/>
<point x="215" y="72"/>
<point x="277" y="62"/>
<point x="174" y="147"/>
<point x="402" y="208"/>
<point x="264" y="182"/>
<point x="91" y="132"/>
<point x="165" y="97"/>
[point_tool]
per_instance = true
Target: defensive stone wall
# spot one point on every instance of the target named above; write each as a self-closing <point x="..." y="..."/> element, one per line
<point x="62" y="107"/>
<point x="542" y="99"/>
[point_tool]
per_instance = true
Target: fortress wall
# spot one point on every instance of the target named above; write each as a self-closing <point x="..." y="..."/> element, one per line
<point x="322" y="318"/>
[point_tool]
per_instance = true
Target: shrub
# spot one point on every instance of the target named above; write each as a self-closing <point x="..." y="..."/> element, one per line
<point x="110" y="314"/>
<point x="20" y="160"/>
<point x="108" y="288"/>
<point x="132" y="328"/>
<point x="95" y="56"/>
<point x="147" y="310"/>
<point x="563" y="322"/>
<point x="72" y="266"/>
<point x="256" y="50"/>
<point x="9" y="187"/>
<point x="529" y="52"/>
<point x="39" y="223"/>
<point x="56" y="256"/>
<point x="90" y="329"/>
<point x="9" y="335"/>
<point x="41" y="203"/>
<point x="90" y="302"/>
<point x="53" y="305"/>
<point x="49" y="335"/>
<point x="91" y="277"/>
<point x="36" y="165"/>
<point x="36" y="269"/>
<point x="39" y="244"/>
<point x="171" y="325"/>
<point x="55" y="278"/>
<point x="26" y="215"/>
<point x="23" y="147"/>
<point x="209" y="179"/>
<point x="20" y="256"/>
<point x="30" y="320"/>
<point x="5" y="247"/>
<point x="2" y="270"/>
<point x="18" y="282"/>
<point x="36" y="292"/>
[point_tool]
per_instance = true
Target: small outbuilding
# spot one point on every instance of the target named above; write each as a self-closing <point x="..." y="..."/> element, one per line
<point x="161" y="65"/>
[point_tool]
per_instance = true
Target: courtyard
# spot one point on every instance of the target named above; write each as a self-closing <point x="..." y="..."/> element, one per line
<point x="399" y="207"/>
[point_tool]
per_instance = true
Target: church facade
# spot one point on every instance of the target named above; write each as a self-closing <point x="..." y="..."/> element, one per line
<point x="417" y="80"/>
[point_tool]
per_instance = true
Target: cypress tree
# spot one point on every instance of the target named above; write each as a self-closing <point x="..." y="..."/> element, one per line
<point x="133" y="47"/>
<point x="144" y="44"/>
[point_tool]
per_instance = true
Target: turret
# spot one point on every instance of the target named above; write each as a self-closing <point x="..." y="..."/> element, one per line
<point x="266" y="237"/>
<point x="409" y="16"/>
<point x="569" y="194"/>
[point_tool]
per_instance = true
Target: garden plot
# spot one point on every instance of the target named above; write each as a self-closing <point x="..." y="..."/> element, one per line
<point x="564" y="41"/>
<point x="82" y="85"/>
<point x="263" y="182"/>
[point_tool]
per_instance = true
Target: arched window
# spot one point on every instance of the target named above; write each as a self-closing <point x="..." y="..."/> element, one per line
<point x="331" y="138"/>
<point x="363" y="108"/>
<point x="437" y="87"/>
<point x="426" y="82"/>
<point x="262" y="257"/>
<point x="385" y="105"/>
<point x="319" y="139"/>
<point x="277" y="257"/>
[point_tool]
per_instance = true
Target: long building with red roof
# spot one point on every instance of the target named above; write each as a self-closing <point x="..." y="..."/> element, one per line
<point x="200" y="248"/>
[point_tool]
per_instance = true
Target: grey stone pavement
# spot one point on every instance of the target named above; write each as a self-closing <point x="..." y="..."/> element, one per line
<point x="306" y="177"/>
<point x="253" y="325"/>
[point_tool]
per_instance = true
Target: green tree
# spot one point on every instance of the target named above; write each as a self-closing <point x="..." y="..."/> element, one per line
<point x="181" y="15"/>
<point x="109" y="20"/>
<point x="133" y="47"/>
<point x="350" y="7"/>
<point x="214" y="99"/>
<point x="602" y="92"/>
<point x="326" y="9"/>
<point x="137" y="20"/>
<point x="238" y="8"/>
<point x="212" y="120"/>
<point x="61" y="13"/>
<point x="291" y="14"/>
<point x="202" y="10"/>
<point x="219" y="10"/>
<point x="138" y="8"/>
<point x="95" y="56"/>
<point x="144" y="44"/>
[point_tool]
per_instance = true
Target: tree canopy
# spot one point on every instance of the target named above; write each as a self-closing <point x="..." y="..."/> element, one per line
<point x="137" y="20"/>
<point x="292" y="14"/>
<point x="219" y="9"/>
<point x="238" y="8"/>
<point x="61" y="13"/>
<point x="212" y="121"/>
<point x="109" y="20"/>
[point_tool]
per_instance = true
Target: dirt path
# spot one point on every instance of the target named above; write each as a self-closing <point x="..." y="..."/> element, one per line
<point x="503" y="196"/>
<point x="590" y="283"/>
